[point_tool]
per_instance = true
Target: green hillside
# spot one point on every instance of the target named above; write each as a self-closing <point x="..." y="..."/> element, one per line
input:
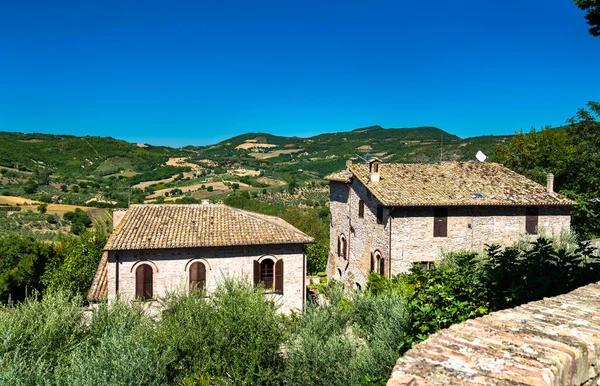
<point x="69" y="155"/>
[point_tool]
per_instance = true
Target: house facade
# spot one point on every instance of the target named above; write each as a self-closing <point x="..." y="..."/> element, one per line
<point x="388" y="217"/>
<point x="155" y="249"/>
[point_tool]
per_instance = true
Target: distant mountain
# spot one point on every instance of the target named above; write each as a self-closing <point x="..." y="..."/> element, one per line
<point x="90" y="156"/>
<point x="324" y="153"/>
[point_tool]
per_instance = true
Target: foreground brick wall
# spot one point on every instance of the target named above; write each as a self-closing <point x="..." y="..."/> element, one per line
<point x="555" y="341"/>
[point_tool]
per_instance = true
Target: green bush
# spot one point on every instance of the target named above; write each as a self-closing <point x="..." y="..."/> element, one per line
<point x="236" y="336"/>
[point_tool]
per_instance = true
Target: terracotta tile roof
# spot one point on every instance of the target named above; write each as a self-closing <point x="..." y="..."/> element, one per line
<point x="202" y="225"/>
<point x="99" y="288"/>
<point x="454" y="183"/>
<point x="342" y="176"/>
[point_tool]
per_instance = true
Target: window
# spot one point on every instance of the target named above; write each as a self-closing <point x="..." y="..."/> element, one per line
<point x="342" y="247"/>
<point x="424" y="265"/>
<point x="378" y="263"/>
<point x="143" y="282"/>
<point x="440" y="222"/>
<point x="361" y="208"/>
<point x="197" y="276"/>
<point x="269" y="273"/>
<point x="531" y="220"/>
<point x="379" y="214"/>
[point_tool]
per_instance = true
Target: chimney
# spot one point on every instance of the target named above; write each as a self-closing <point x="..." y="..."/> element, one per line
<point x="550" y="183"/>
<point x="374" y="164"/>
<point x="118" y="215"/>
<point x="348" y="164"/>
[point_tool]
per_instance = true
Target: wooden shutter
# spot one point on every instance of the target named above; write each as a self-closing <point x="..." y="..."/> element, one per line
<point x="379" y="214"/>
<point x="279" y="277"/>
<point x="256" y="272"/>
<point x="139" y="282"/>
<point x="440" y="222"/>
<point x="339" y="247"/>
<point x="361" y="208"/>
<point x="531" y="220"/>
<point x="382" y="266"/>
<point x="372" y="262"/>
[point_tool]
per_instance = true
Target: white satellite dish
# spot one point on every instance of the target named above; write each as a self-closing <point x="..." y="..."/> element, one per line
<point x="480" y="156"/>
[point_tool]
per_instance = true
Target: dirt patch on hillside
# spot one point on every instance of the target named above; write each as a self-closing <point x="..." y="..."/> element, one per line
<point x="275" y="153"/>
<point x="254" y="145"/>
<point x="271" y="181"/>
<point x="145" y="184"/>
<point x="182" y="162"/>
<point x="246" y="172"/>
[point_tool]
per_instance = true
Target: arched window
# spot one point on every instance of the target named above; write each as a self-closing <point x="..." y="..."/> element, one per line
<point x="378" y="263"/>
<point x="270" y="273"/>
<point x="197" y="275"/>
<point x="143" y="282"/>
<point x="342" y="247"/>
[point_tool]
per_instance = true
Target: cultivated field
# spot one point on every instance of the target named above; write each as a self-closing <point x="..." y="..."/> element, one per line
<point x="9" y="200"/>
<point x="274" y="153"/>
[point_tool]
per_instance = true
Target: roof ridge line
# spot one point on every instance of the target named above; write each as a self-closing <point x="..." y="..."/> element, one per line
<point x="254" y="215"/>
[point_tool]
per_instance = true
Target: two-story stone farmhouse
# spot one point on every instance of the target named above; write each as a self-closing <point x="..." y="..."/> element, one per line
<point x="387" y="217"/>
<point x="159" y="248"/>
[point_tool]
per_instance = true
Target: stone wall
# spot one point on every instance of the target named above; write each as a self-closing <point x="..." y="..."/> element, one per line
<point x="555" y="341"/>
<point x="364" y="236"/>
<point x="171" y="269"/>
<point x="469" y="228"/>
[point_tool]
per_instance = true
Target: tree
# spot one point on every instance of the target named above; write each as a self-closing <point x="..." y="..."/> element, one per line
<point x="42" y="208"/>
<point x="593" y="14"/>
<point x="73" y="266"/>
<point x="22" y="261"/>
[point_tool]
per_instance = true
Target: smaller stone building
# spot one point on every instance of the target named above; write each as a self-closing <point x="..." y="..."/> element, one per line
<point x="159" y="248"/>
<point x="387" y="217"/>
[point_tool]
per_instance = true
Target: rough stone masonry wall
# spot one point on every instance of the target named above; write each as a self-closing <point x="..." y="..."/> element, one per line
<point x="363" y="235"/>
<point x="171" y="269"/>
<point x="555" y="341"/>
<point x="469" y="228"/>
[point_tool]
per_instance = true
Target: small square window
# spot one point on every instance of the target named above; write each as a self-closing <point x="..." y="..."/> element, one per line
<point x="361" y="209"/>
<point x="379" y="214"/>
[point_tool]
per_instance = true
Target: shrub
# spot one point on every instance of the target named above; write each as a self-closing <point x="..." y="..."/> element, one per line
<point x="236" y="335"/>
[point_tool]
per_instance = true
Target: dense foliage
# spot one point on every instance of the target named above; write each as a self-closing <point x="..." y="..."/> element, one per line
<point x="572" y="154"/>
<point x="233" y="337"/>
<point x="593" y="14"/>
<point x="465" y="285"/>
<point x="28" y="265"/>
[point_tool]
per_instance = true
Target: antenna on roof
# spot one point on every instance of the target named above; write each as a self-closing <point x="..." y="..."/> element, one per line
<point x="480" y="156"/>
<point x="441" y="148"/>
<point x="366" y="158"/>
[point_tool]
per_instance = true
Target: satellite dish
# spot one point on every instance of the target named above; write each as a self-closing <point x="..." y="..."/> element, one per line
<point x="480" y="156"/>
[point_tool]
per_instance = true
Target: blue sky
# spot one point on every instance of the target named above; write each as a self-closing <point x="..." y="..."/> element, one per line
<point x="177" y="73"/>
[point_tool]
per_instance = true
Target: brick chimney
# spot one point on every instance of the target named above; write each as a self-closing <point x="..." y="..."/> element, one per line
<point x="374" y="165"/>
<point x="550" y="183"/>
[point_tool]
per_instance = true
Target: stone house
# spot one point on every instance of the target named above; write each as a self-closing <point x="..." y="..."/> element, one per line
<point x="159" y="248"/>
<point x="387" y="217"/>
